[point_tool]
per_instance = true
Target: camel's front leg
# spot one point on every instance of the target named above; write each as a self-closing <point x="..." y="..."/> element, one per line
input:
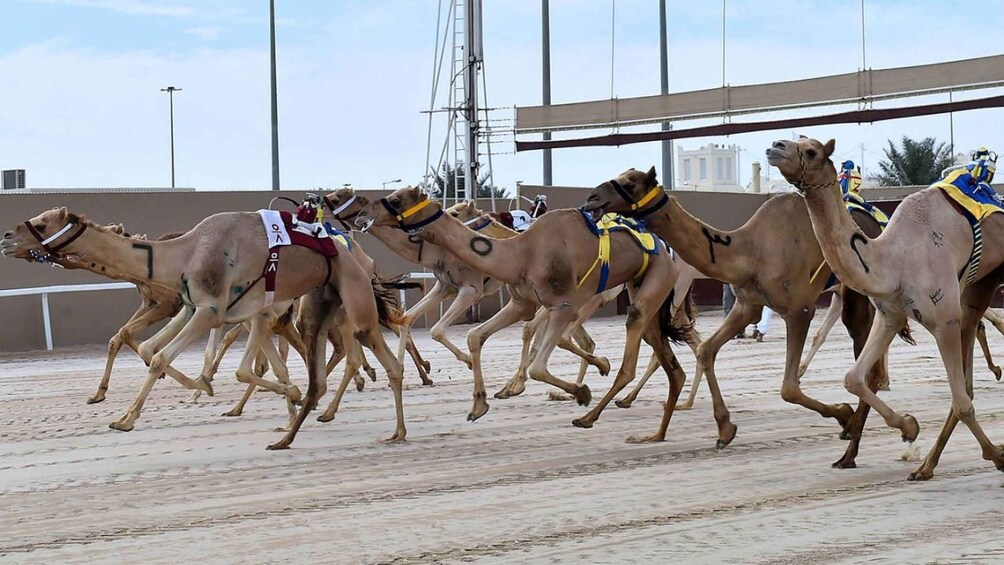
<point x="511" y="313"/>
<point x="257" y="338"/>
<point x="197" y="325"/>
<point x="421" y="365"/>
<point x="557" y="321"/>
<point x="149" y="313"/>
<point x="517" y="384"/>
<point x="212" y="363"/>
<point x="433" y="298"/>
<point x="467" y="297"/>
<point x="798" y="328"/>
<point x="281" y="374"/>
<point x="832" y="315"/>
<point x="353" y="358"/>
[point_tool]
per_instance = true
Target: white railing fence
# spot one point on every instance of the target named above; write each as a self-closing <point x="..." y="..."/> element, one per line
<point x="45" y="291"/>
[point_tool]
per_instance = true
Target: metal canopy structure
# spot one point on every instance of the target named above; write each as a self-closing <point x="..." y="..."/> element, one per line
<point x="863" y="87"/>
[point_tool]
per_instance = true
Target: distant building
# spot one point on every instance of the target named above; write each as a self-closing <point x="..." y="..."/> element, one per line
<point x="710" y="168"/>
<point x="13" y="179"/>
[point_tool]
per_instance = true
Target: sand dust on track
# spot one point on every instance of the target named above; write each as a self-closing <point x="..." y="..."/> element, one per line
<point x="519" y="485"/>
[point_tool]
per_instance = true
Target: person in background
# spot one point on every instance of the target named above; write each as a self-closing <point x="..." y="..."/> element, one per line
<point x="728" y="301"/>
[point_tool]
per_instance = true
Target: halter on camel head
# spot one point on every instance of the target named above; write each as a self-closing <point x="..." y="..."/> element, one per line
<point x="636" y="206"/>
<point x="52" y="251"/>
<point x="402" y="216"/>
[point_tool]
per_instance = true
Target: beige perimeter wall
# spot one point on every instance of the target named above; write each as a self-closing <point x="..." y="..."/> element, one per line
<point x="93" y="317"/>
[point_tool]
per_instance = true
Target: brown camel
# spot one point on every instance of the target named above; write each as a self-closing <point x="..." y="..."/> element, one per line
<point x="911" y="270"/>
<point x="773" y="260"/>
<point x="467" y="212"/>
<point x="552" y="264"/>
<point x="213" y="264"/>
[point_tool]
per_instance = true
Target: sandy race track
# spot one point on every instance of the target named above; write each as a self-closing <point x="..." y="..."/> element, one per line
<point x="520" y="485"/>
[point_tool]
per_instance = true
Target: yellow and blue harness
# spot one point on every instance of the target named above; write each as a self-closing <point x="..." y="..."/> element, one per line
<point x="610" y="223"/>
<point x="975" y="201"/>
<point x="338" y="236"/>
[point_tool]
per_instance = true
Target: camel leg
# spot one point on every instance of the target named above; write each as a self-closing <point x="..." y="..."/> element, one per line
<point x="439" y="293"/>
<point x="587" y="344"/>
<point x="644" y="306"/>
<point x="558" y="321"/>
<point x="315" y="320"/>
<point x="883" y="330"/>
<point x="694" y="343"/>
<point x="209" y="370"/>
<point x="258" y="338"/>
<point x="517" y="384"/>
<point x="467" y="297"/>
<point x="152" y="346"/>
<point x="653" y="366"/>
<point x="195" y="325"/>
<point x="149" y="313"/>
<point x="666" y="358"/>
<point x="798" y="328"/>
<point x="981" y="335"/>
<point x="832" y="315"/>
<point x="281" y="372"/>
<point x="995" y="318"/>
<point x="421" y="365"/>
<point x="373" y="340"/>
<point x="511" y="313"/>
<point x="353" y="356"/>
<point x="601" y="363"/>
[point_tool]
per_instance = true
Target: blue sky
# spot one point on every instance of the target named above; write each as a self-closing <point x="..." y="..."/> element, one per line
<point x="82" y="106"/>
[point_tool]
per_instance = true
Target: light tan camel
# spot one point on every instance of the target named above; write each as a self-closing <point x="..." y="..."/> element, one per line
<point x="911" y="270"/>
<point x="772" y="260"/>
<point x="551" y="265"/>
<point x="213" y="264"/>
<point x="467" y="212"/>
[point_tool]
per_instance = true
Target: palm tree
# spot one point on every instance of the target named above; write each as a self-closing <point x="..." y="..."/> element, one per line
<point x="914" y="163"/>
<point x="445" y="181"/>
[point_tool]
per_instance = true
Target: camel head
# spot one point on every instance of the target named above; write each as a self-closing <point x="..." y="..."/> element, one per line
<point x="408" y="208"/>
<point x="465" y="211"/>
<point x="633" y="192"/>
<point x="804" y="163"/>
<point x="343" y="204"/>
<point x="46" y="238"/>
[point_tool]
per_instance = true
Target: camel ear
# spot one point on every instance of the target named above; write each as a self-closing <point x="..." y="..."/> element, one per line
<point x="829" y="147"/>
<point x="651" y="178"/>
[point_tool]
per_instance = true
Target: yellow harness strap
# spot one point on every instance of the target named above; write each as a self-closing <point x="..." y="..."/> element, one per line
<point x="647" y="198"/>
<point x="414" y="209"/>
<point x="603" y="256"/>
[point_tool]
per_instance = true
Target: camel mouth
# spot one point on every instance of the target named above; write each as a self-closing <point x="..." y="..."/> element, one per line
<point x="8" y="248"/>
<point x="365" y="224"/>
<point x="595" y="206"/>
<point x="776" y="156"/>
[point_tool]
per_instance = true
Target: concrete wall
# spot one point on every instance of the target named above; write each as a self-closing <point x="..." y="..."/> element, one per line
<point x="93" y="317"/>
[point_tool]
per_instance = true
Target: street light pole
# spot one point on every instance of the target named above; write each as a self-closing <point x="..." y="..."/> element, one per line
<point x="275" y="102"/>
<point x="385" y="183"/>
<point x="170" y="94"/>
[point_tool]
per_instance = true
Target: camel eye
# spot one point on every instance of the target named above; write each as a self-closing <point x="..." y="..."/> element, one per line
<point x="455" y="214"/>
<point x="396" y="202"/>
<point x="811" y="153"/>
<point x="39" y="227"/>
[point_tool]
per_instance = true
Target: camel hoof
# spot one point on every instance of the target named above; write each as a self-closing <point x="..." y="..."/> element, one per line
<point x="293" y="392"/>
<point x="582" y="423"/>
<point x="911" y="429"/>
<point x="514" y="388"/>
<point x="360" y="384"/>
<point x="204" y="385"/>
<point x="121" y="426"/>
<point x="844" y="463"/>
<point x="727" y="436"/>
<point x="95" y="399"/>
<point x="921" y="474"/>
<point x="623" y="403"/>
<point x="603" y="364"/>
<point x="478" y="412"/>
<point x="844" y="414"/>
<point x="845" y="435"/>
<point x="684" y="406"/>
<point x="426" y="365"/>
<point x="583" y="395"/>
<point x="282" y="444"/>
<point x="371" y="372"/>
<point x="232" y="413"/>
<point x="396" y="438"/>
<point x="654" y="438"/>
<point x="426" y="381"/>
<point x="325" y="417"/>
<point x="997" y="373"/>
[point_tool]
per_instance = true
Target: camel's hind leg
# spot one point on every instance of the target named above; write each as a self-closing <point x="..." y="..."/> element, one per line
<point x="194" y="326"/>
<point x="832" y="315"/>
<point x="258" y="340"/>
<point x="981" y="335"/>
<point x="653" y="366"/>
<point x="558" y="321"/>
<point x="467" y="297"/>
<point x="353" y="358"/>
<point x="439" y="293"/>
<point x="666" y="358"/>
<point x="421" y="365"/>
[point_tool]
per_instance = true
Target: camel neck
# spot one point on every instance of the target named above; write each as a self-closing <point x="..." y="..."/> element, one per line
<point x="138" y="261"/>
<point x="716" y="253"/>
<point x="497" y="258"/>
<point x="847" y="250"/>
<point x="399" y="242"/>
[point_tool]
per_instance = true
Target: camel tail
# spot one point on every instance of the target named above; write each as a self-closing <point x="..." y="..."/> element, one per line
<point x="285" y="319"/>
<point x="906" y="335"/>
<point x="397" y="282"/>
<point x="388" y="307"/>
<point x="678" y="333"/>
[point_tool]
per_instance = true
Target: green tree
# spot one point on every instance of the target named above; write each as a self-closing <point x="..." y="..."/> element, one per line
<point x="914" y="162"/>
<point x="445" y="182"/>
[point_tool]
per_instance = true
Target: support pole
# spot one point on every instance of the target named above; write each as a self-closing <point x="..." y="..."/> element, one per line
<point x="667" y="145"/>
<point x="275" y="100"/>
<point x="471" y="41"/>
<point x="546" y="79"/>
<point x="47" y="322"/>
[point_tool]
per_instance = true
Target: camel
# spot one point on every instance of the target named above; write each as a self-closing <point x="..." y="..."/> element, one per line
<point x="772" y="260"/>
<point x="453" y="278"/>
<point x="552" y="264"/>
<point x="467" y="212"/>
<point x="911" y="270"/>
<point x="214" y="268"/>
